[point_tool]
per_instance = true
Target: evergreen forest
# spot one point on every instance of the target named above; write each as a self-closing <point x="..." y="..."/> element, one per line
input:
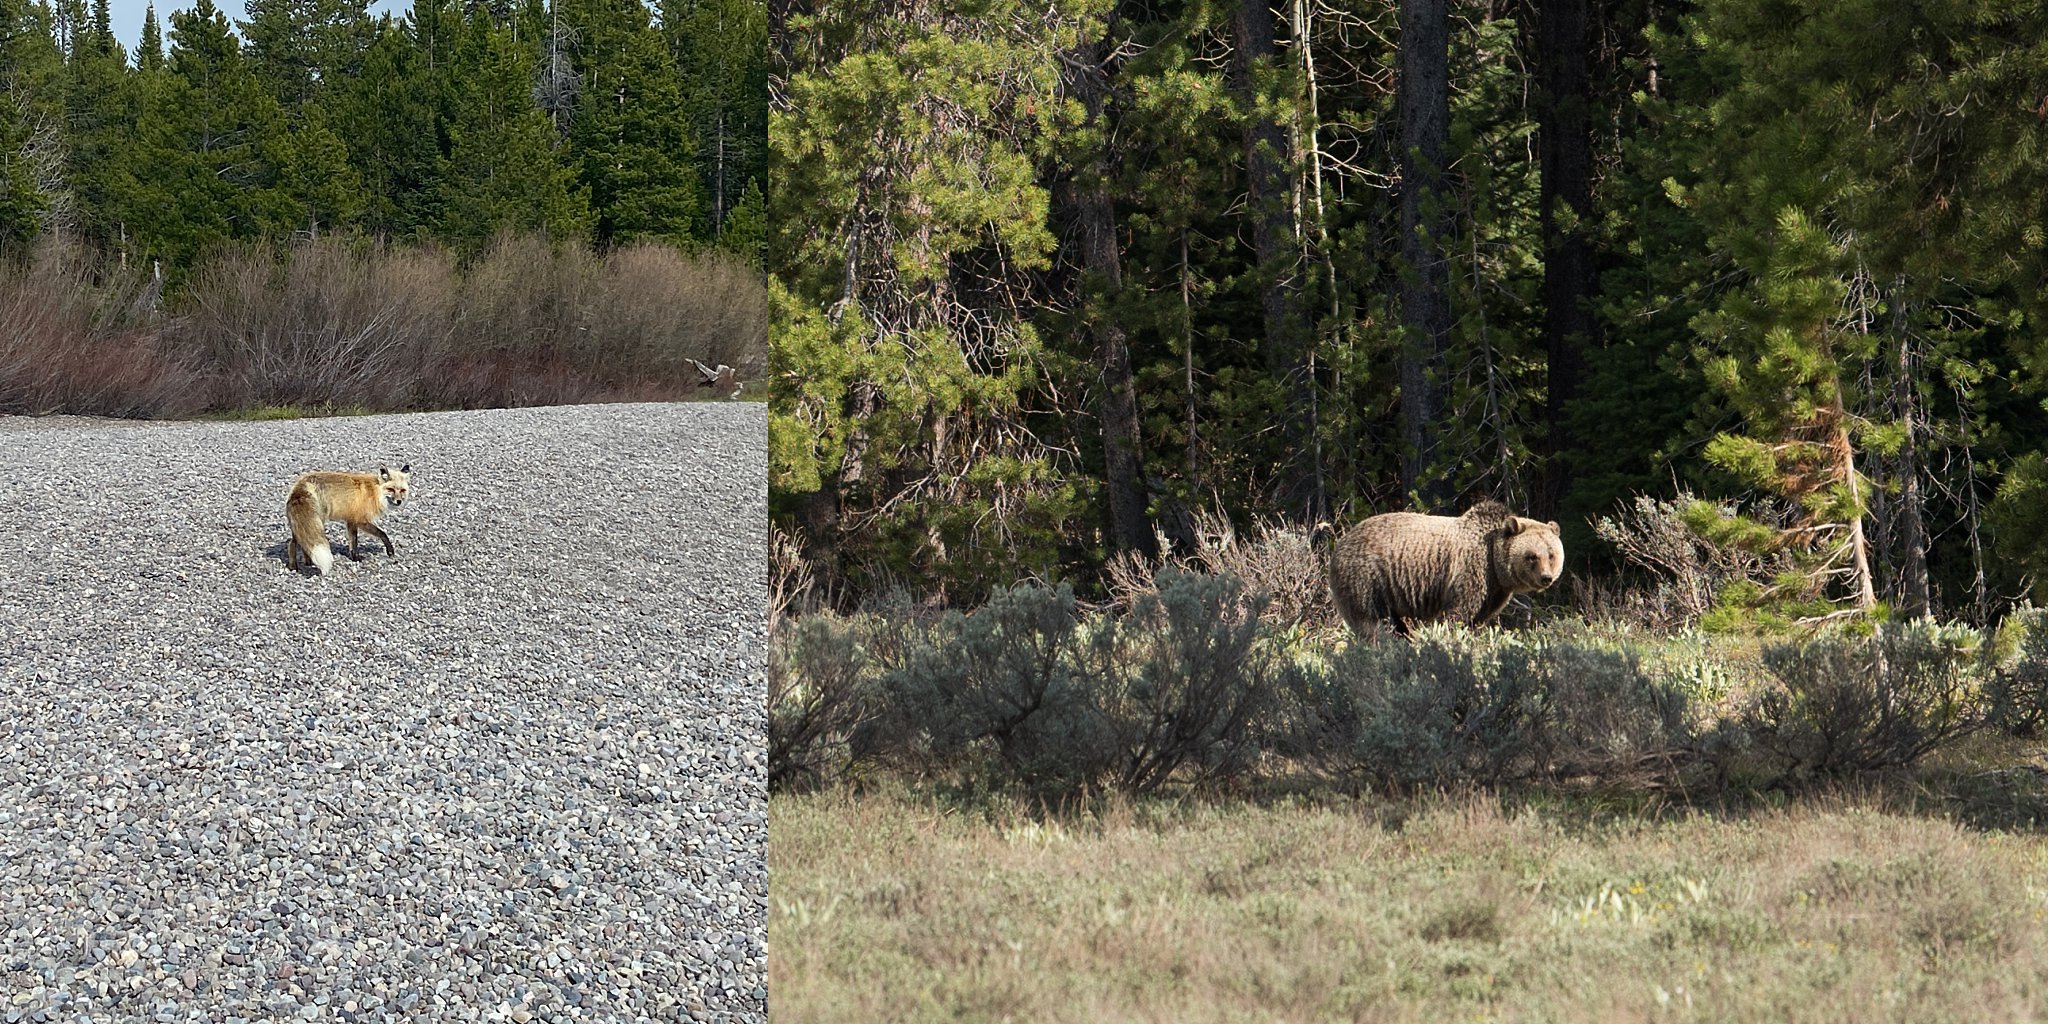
<point x="1057" y="284"/>
<point x="592" y="119"/>
<point x="313" y="209"/>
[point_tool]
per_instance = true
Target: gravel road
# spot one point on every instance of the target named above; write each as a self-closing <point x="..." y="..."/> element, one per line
<point x="514" y="773"/>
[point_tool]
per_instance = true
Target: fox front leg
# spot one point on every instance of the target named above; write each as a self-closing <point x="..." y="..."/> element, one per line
<point x="355" y="549"/>
<point x="380" y="535"/>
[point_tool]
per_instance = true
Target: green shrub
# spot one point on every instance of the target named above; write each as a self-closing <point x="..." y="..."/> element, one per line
<point x="1001" y="680"/>
<point x="1456" y="708"/>
<point x="1843" y="703"/>
<point x="1025" y="691"/>
<point x="1432" y="712"/>
<point x="1175" y="684"/>
<point x="2017" y="694"/>
<point x="1599" y="713"/>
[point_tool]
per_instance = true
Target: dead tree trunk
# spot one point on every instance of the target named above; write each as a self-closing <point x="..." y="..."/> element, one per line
<point x="1912" y="530"/>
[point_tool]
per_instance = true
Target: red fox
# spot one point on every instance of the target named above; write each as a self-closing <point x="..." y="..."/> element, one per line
<point x="357" y="499"/>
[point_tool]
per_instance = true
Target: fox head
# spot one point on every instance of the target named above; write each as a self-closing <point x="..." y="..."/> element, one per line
<point x="395" y="483"/>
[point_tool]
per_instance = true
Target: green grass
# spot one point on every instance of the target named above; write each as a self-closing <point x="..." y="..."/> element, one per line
<point x="286" y="412"/>
<point x="1834" y="908"/>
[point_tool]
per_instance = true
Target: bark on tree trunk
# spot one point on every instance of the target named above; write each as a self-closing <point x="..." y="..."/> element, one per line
<point x="1423" y="99"/>
<point x="1276" y="240"/>
<point x="1123" y="479"/>
<point x="1564" y="132"/>
<point x="824" y="511"/>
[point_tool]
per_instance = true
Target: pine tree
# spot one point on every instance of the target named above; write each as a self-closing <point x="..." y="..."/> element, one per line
<point x="300" y="49"/>
<point x="317" y="191"/>
<point x="393" y="119"/>
<point x="280" y="48"/>
<point x="149" y="53"/>
<point x="746" y="226"/>
<point x="1426" y="230"/>
<point x="898" y="437"/>
<point x="23" y="202"/>
<point x="720" y="48"/>
<point x="504" y="170"/>
<point x="205" y="140"/>
<point x="101" y="108"/>
<point x="632" y="129"/>
<point x="1782" y="352"/>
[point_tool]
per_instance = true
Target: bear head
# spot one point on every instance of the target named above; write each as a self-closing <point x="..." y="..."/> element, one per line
<point x="1530" y="555"/>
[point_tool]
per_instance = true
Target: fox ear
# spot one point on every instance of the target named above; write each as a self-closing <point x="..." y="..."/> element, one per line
<point x="383" y="472"/>
<point x="407" y="468"/>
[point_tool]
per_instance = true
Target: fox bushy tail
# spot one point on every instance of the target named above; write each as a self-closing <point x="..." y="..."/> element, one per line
<point x="307" y="530"/>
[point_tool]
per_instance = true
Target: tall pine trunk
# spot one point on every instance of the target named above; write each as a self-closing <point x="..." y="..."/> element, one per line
<point x="1423" y="101"/>
<point x="1564" y="43"/>
<point x="1102" y="266"/>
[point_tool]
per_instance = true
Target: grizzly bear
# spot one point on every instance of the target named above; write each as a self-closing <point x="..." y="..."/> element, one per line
<point x="1408" y="568"/>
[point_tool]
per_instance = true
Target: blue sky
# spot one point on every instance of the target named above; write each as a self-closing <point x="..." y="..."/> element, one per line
<point x="126" y="15"/>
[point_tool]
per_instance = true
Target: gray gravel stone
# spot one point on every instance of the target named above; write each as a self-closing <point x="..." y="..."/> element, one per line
<point x="514" y="773"/>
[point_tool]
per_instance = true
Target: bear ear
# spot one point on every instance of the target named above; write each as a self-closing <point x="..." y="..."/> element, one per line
<point x="1553" y="527"/>
<point x="1514" y="526"/>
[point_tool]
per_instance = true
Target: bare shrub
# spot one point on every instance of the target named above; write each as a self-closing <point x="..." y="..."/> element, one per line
<point x="1652" y="535"/>
<point x="1844" y="704"/>
<point x="655" y="308"/>
<point x="338" y="322"/>
<point x="820" y="691"/>
<point x="525" y="296"/>
<point x="79" y="339"/>
<point x="544" y="322"/>
<point x="790" y="580"/>
<point x="1281" y="563"/>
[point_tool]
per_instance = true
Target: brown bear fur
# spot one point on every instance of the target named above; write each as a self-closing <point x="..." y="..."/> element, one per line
<point x="1409" y="568"/>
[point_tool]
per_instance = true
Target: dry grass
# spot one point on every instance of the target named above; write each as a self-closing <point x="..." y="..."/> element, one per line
<point x="1283" y="562"/>
<point x="887" y="907"/>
